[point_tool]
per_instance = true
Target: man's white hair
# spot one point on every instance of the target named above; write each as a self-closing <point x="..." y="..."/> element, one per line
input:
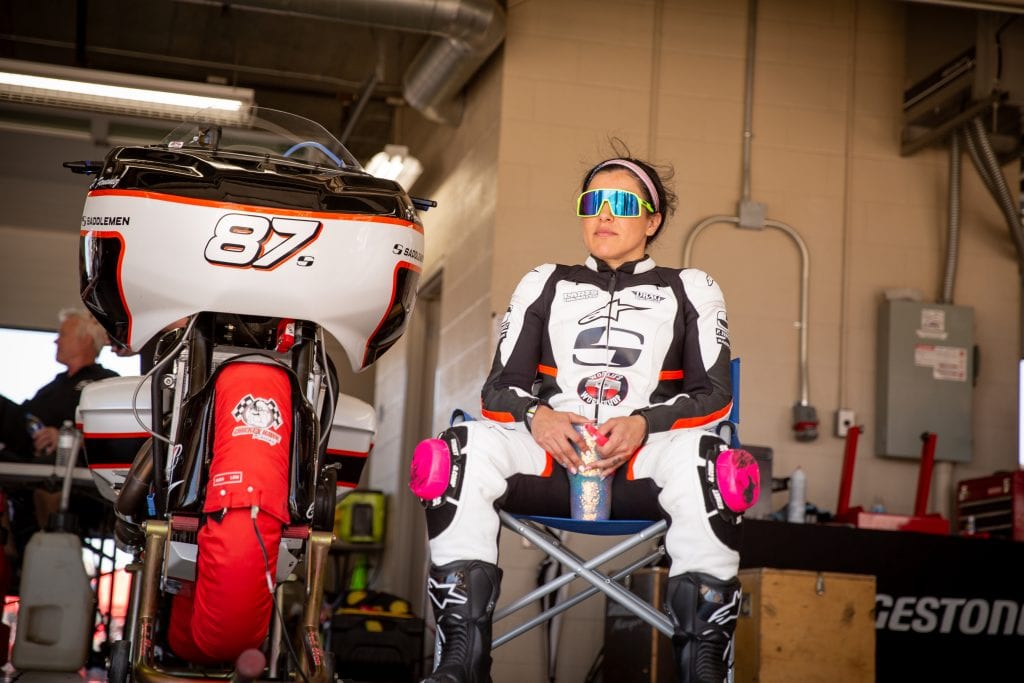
<point x="87" y="326"/>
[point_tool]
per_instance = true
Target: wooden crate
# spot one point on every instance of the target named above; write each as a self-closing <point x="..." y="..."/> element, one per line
<point x="805" y="626"/>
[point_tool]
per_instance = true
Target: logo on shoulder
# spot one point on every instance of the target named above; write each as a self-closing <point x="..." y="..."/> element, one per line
<point x="711" y="281"/>
<point x="505" y="323"/>
<point x="722" y="329"/>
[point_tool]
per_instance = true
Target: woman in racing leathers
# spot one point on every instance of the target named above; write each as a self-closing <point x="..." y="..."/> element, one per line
<point x="641" y="352"/>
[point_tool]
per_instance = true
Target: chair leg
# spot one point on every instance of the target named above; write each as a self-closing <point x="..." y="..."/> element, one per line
<point x="464" y="594"/>
<point x="704" y="611"/>
<point x="585" y="570"/>
<point x="566" y="605"/>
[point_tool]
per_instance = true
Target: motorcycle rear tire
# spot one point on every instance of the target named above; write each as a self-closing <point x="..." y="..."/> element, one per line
<point x="120" y="662"/>
<point x="323" y="515"/>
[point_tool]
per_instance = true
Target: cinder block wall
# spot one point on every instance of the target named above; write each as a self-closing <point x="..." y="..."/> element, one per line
<point x="460" y="174"/>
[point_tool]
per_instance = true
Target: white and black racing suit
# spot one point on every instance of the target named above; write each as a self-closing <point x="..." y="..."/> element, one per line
<point x="587" y="339"/>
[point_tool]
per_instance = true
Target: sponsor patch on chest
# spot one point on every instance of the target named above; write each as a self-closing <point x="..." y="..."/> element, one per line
<point x="606" y="388"/>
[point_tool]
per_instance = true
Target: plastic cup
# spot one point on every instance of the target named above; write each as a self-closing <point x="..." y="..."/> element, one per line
<point x="590" y="495"/>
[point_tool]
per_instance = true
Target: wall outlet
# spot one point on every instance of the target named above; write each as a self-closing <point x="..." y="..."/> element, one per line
<point x="844" y="420"/>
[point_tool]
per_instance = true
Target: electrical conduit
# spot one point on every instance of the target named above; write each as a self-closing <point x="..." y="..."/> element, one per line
<point x="805" y="419"/>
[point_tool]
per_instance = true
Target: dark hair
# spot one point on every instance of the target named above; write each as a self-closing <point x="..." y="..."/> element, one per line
<point x="659" y="176"/>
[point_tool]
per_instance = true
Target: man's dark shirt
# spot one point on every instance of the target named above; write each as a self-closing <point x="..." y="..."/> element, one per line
<point x="52" y="404"/>
<point x="58" y="400"/>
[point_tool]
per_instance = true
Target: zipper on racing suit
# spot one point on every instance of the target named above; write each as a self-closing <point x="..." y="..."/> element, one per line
<point x="607" y="345"/>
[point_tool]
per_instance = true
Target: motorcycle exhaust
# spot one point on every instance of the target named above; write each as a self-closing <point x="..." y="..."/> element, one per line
<point x="136" y="482"/>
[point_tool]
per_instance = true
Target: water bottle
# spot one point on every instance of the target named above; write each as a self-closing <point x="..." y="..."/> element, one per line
<point x="33" y="424"/>
<point x="797" y="510"/>
<point x="65" y="444"/>
<point x="67" y="452"/>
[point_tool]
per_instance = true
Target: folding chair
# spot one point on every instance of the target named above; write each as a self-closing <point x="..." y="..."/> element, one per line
<point x="538" y="530"/>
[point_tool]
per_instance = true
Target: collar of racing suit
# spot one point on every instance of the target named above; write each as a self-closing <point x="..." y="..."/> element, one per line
<point x="638" y="266"/>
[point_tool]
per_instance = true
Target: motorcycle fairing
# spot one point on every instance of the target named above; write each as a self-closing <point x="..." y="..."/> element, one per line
<point x="391" y="326"/>
<point x="112" y="434"/>
<point x="351" y="440"/>
<point x="154" y="258"/>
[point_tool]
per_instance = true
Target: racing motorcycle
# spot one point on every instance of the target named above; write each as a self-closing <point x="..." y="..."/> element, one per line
<point x="226" y="254"/>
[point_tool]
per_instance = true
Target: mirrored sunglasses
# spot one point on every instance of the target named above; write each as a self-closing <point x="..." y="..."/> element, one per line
<point x="622" y="203"/>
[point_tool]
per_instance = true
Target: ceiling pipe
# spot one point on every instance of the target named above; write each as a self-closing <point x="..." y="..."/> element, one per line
<point x="357" y="111"/>
<point x="952" y="221"/>
<point x="465" y="33"/>
<point x="988" y="167"/>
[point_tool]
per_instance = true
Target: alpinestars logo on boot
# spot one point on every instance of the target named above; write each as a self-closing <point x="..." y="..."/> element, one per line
<point x="443" y="594"/>
<point x="260" y="418"/>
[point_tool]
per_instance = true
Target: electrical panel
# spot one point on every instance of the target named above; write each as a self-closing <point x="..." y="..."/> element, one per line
<point x="925" y="379"/>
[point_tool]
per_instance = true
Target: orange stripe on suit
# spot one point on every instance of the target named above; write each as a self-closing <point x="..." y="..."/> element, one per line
<point x="497" y="416"/>
<point x="686" y="422"/>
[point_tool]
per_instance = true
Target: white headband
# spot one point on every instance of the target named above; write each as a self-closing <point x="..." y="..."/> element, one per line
<point x="640" y="173"/>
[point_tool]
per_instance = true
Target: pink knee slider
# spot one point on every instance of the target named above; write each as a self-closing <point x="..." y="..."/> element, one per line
<point x="430" y="468"/>
<point x="739" y="479"/>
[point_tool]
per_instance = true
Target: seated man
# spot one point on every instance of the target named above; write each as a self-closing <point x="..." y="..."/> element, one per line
<point x="28" y="431"/>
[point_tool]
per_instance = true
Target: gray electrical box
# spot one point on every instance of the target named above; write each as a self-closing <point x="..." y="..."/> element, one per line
<point x="925" y="378"/>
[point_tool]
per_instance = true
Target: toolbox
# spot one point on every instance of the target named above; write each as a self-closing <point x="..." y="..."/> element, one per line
<point x="812" y="627"/>
<point x="992" y="506"/>
<point x="377" y="646"/>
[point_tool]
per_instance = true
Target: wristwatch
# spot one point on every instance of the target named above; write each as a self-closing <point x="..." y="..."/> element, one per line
<point x="528" y="418"/>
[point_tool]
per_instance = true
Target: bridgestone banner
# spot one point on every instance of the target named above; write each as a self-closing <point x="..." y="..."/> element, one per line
<point x="947" y="607"/>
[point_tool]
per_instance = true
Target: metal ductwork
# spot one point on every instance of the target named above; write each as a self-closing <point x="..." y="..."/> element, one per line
<point x="963" y="63"/>
<point x="465" y="33"/>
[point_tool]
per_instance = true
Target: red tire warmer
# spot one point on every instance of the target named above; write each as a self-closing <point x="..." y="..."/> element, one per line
<point x="229" y="609"/>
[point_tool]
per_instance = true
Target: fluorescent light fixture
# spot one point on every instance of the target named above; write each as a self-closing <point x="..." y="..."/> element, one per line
<point x="395" y="163"/>
<point x="117" y="93"/>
